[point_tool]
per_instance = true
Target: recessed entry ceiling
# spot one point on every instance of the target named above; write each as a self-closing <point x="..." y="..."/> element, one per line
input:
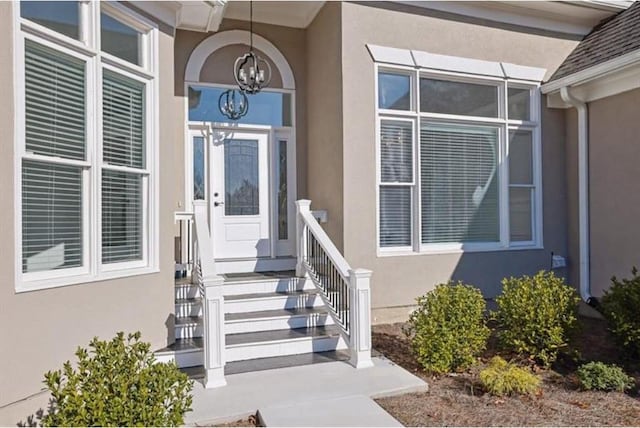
<point x="298" y="14"/>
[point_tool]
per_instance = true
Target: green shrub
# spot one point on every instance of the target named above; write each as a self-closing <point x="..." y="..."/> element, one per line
<point x="118" y="383"/>
<point x="603" y="377"/>
<point x="536" y="315"/>
<point x="621" y="307"/>
<point x="503" y="378"/>
<point x="447" y="330"/>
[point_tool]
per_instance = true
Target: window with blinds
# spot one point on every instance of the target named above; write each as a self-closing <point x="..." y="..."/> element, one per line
<point x="123" y="143"/>
<point x="396" y="182"/>
<point x="52" y="188"/>
<point x="459" y="183"/>
<point x="458" y="170"/>
<point x="87" y="193"/>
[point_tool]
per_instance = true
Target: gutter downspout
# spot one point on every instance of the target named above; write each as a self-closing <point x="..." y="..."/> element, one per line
<point x="583" y="192"/>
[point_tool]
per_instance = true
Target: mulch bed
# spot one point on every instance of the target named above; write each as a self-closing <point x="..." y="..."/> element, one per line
<point x="458" y="399"/>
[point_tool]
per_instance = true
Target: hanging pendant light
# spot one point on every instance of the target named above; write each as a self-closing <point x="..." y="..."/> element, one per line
<point x="233" y="104"/>
<point x="251" y="72"/>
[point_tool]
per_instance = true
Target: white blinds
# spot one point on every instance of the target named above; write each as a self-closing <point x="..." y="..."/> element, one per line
<point x="395" y="216"/>
<point x="122" y="191"/>
<point x="51" y="216"/>
<point x="459" y="181"/>
<point x="54" y="103"/>
<point x="52" y="232"/>
<point x="123" y="121"/>
<point x="121" y="216"/>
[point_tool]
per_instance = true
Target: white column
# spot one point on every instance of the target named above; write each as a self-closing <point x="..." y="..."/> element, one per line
<point x="214" y="340"/>
<point x="302" y="206"/>
<point x="360" y="318"/>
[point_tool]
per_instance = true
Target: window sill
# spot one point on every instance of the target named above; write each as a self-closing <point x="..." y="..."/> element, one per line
<point x="23" y="286"/>
<point x="441" y="251"/>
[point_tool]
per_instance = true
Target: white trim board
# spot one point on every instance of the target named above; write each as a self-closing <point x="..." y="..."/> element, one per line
<point x="219" y="40"/>
<point x="426" y="60"/>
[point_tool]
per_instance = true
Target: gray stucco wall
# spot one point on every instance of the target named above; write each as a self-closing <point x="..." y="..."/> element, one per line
<point x="614" y="192"/>
<point x="324" y="111"/>
<point x="41" y="329"/>
<point x="398" y="280"/>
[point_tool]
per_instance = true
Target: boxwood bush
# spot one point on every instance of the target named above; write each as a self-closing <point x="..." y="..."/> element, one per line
<point x="621" y="307"/>
<point x="117" y="383"/>
<point x="603" y="377"/>
<point x="503" y="378"/>
<point x="536" y="315"/>
<point x="447" y="330"/>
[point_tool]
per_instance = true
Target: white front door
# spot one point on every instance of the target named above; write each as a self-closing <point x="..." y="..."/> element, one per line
<point x="240" y="194"/>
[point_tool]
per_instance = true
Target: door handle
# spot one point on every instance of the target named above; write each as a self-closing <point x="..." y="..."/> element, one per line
<point x="217" y="204"/>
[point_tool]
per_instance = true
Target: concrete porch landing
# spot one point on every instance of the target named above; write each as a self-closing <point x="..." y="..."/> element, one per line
<point x="286" y="388"/>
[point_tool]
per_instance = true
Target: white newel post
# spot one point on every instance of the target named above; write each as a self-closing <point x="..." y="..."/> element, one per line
<point x="360" y="317"/>
<point x="302" y="206"/>
<point x="212" y="301"/>
<point x="214" y="343"/>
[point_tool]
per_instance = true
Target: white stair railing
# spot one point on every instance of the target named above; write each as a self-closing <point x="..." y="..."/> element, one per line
<point x="345" y="291"/>
<point x="210" y="284"/>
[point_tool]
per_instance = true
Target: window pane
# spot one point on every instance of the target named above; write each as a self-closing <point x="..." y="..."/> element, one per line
<point x="60" y="16"/>
<point x="51" y="216"/>
<point x="459" y="183"/>
<point x="265" y="108"/>
<point x="283" y="232"/>
<point x="241" y="178"/>
<point x="394" y="91"/>
<point x="520" y="157"/>
<point x="446" y="97"/>
<point x="54" y="103"/>
<point x="396" y="151"/>
<point x="395" y="216"/>
<point x="198" y="169"/>
<point x="119" y="39"/>
<point x="519" y="104"/>
<point x="123" y="121"/>
<point x="520" y="208"/>
<point x="121" y="216"/>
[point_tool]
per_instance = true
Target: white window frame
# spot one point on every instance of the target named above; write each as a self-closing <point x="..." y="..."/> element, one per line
<point x="504" y="125"/>
<point x="88" y="50"/>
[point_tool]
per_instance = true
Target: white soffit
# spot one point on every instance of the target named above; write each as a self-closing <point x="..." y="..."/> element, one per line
<point x="203" y="16"/>
<point x="569" y="17"/>
<point x="426" y="60"/>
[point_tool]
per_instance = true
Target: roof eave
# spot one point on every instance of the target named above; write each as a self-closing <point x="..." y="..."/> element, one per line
<point x="595" y="72"/>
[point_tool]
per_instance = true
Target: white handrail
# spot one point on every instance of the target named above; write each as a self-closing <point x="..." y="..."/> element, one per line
<point x="326" y="243"/>
<point x="353" y="289"/>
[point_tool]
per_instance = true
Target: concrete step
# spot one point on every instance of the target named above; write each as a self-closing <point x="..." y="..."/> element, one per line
<point x="350" y="411"/>
<point x="281" y="319"/>
<point x="185" y="352"/>
<point x="188" y="327"/>
<point x="188" y="307"/>
<point x="272" y="301"/>
<point x="246" y="346"/>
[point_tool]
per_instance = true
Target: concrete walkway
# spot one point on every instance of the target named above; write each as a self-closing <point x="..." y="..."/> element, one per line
<point x="289" y="394"/>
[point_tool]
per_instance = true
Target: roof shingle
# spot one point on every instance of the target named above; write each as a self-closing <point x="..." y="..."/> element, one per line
<point x="612" y="38"/>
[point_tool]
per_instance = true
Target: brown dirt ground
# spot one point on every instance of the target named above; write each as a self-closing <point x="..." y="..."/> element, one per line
<point x="458" y="399"/>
